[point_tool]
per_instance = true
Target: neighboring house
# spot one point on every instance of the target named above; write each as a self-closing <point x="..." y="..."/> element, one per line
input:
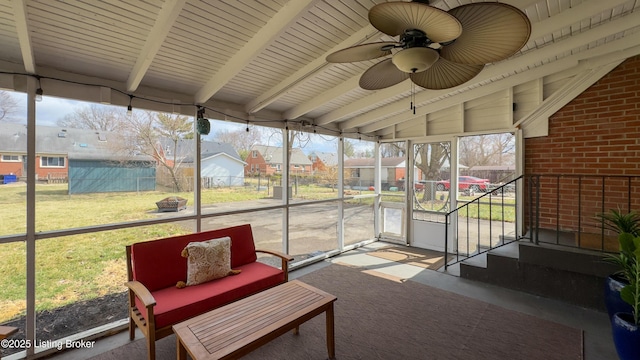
<point x="360" y="172"/>
<point x="220" y="164"/>
<point x="52" y="148"/>
<point x="267" y="160"/>
<point x="321" y="161"/>
<point x="81" y="157"/>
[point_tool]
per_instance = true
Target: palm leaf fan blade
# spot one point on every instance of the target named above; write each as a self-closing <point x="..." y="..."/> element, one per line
<point x="491" y="32"/>
<point x="393" y="18"/>
<point x="445" y="74"/>
<point x="382" y="75"/>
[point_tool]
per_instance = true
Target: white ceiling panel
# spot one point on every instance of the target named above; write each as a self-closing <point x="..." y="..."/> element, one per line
<point x="266" y="59"/>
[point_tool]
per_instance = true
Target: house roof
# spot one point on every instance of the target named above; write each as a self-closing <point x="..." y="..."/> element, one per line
<point x="207" y="149"/>
<point x="370" y="162"/>
<point x="264" y="62"/>
<point x="273" y="155"/>
<point x="329" y="159"/>
<point x="54" y="140"/>
<point x="218" y="155"/>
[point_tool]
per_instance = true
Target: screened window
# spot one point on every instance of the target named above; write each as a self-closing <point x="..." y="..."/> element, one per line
<point x="52" y="161"/>
<point x="11" y="158"/>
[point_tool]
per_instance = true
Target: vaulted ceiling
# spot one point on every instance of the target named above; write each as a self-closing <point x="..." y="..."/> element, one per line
<point x="264" y="62"/>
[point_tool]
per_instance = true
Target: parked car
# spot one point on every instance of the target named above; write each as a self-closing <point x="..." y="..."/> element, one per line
<point x="465" y="182"/>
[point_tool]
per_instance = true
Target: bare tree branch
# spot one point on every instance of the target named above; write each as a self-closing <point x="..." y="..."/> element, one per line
<point x="241" y="140"/>
<point x="8" y="106"/>
<point x="95" y="117"/>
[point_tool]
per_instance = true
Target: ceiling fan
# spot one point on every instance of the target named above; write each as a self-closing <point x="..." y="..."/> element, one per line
<point x="437" y="49"/>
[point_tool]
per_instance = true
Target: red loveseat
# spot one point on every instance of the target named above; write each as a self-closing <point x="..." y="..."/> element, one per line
<point x="154" y="267"/>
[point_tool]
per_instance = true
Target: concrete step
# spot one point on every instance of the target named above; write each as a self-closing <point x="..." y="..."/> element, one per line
<point x="572" y="275"/>
<point x="494" y="266"/>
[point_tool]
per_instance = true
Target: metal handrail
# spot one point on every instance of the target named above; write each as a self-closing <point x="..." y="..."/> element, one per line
<point x="561" y="209"/>
<point x="500" y="190"/>
<point x="589" y="195"/>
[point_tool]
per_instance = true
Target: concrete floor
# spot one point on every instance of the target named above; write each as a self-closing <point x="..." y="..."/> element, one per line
<point x="597" y="331"/>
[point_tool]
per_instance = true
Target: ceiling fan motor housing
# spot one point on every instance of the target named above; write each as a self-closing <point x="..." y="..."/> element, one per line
<point x="413" y="37"/>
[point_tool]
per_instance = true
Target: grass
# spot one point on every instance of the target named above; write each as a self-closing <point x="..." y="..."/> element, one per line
<point x="72" y="268"/>
<point x="82" y="267"/>
<point x="494" y="212"/>
<point x="491" y="208"/>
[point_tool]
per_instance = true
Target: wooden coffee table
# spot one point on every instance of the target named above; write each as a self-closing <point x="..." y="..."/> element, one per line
<point x="234" y="330"/>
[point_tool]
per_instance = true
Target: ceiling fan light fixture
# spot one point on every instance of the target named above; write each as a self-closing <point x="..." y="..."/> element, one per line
<point x="414" y="60"/>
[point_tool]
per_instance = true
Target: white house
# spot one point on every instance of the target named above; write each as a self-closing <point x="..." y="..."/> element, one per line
<point x="221" y="165"/>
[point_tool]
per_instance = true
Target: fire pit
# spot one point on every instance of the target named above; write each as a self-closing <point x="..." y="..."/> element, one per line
<point x="172" y="203"/>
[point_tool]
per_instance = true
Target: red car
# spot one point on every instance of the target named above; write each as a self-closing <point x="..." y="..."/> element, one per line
<point x="465" y="182"/>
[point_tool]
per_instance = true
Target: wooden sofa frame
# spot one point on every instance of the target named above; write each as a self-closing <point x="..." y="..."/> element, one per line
<point x="148" y="328"/>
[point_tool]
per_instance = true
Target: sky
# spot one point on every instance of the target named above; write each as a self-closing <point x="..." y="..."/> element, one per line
<point x="51" y="109"/>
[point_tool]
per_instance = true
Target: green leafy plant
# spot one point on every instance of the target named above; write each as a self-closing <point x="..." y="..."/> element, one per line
<point x="629" y="261"/>
<point x="619" y="222"/>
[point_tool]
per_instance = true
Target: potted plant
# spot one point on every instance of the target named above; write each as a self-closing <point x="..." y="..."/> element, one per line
<point x="619" y="223"/>
<point x="625" y="325"/>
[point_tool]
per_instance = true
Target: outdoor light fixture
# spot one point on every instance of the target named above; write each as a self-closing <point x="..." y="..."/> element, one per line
<point x="204" y="127"/>
<point x="39" y="94"/>
<point x="39" y="91"/>
<point x="130" y="108"/>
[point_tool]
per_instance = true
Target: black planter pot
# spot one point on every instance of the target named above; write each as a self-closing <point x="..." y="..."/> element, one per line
<point x="626" y="336"/>
<point x="614" y="303"/>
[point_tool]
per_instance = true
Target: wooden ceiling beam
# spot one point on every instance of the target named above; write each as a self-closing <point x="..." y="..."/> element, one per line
<point x="277" y="25"/>
<point x="22" y="30"/>
<point x="163" y="24"/>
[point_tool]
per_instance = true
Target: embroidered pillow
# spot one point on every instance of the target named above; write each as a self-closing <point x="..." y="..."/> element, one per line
<point x="208" y="260"/>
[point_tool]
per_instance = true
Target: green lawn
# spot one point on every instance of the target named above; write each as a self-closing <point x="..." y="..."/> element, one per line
<point x="82" y="267"/>
<point x="71" y="268"/>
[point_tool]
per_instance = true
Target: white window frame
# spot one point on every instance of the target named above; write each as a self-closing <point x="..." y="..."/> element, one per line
<point x="9" y="158"/>
<point x="43" y="165"/>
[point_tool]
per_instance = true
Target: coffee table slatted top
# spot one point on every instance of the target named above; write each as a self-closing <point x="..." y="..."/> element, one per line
<point x="252" y="321"/>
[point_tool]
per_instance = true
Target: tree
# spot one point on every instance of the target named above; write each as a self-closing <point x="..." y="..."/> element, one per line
<point x="95" y="117"/>
<point x="492" y="149"/>
<point x="430" y="158"/>
<point x="349" y="149"/>
<point x="159" y="136"/>
<point x="396" y="149"/>
<point x="8" y="106"/>
<point x="153" y="130"/>
<point x="240" y="139"/>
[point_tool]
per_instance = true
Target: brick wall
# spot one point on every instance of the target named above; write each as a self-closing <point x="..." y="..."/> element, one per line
<point x="595" y="141"/>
